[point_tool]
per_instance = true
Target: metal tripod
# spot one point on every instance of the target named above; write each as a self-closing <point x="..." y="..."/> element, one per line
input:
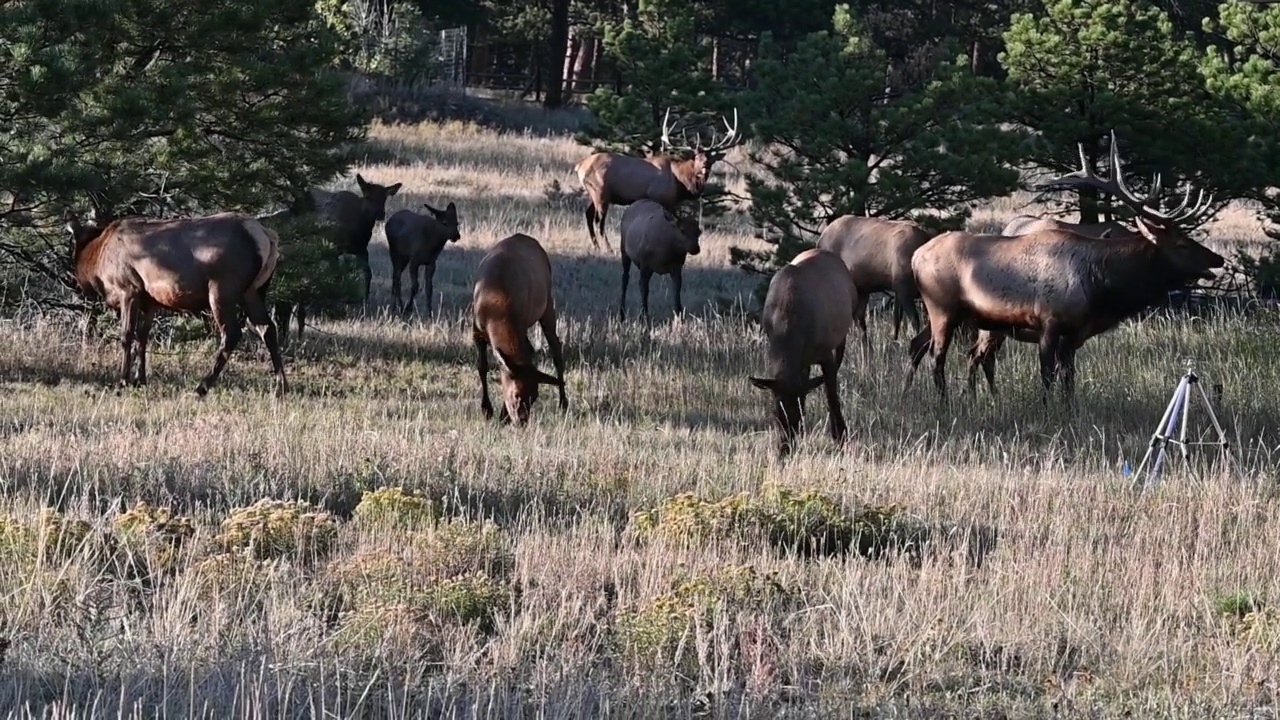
<point x="1175" y="419"/>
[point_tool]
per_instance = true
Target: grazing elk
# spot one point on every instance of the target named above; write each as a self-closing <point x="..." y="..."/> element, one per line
<point x="218" y="263"/>
<point x="877" y="252"/>
<point x="657" y="241"/>
<point x="613" y="178"/>
<point x="513" y="292"/>
<point x="806" y="318"/>
<point x="355" y="216"/>
<point x="415" y="241"/>
<point x="1057" y="287"/>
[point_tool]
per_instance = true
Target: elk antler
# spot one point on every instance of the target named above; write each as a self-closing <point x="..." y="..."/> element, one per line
<point x="1115" y="185"/>
<point x="729" y="140"/>
<point x="719" y="146"/>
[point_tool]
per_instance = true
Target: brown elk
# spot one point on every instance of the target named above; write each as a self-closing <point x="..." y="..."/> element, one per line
<point x="414" y="242"/>
<point x="657" y="241"/>
<point x="217" y="263"/>
<point x="877" y="252"/>
<point x="807" y="313"/>
<point x="987" y="344"/>
<point x="513" y="292"/>
<point x="355" y="215"/>
<point x="612" y="178"/>
<point x="1058" y="287"/>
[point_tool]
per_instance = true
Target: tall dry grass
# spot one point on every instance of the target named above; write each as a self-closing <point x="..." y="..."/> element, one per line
<point x="1094" y="600"/>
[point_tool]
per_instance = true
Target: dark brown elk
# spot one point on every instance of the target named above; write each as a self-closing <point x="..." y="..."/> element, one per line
<point x="218" y="263"/>
<point x="807" y="313"/>
<point x="878" y="252"/>
<point x="355" y="215"/>
<point x="414" y="242"/>
<point x="657" y="241"/>
<point x="987" y="344"/>
<point x="512" y="293"/>
<point x="1058" y="287"/>
<point x="616" y="179"/>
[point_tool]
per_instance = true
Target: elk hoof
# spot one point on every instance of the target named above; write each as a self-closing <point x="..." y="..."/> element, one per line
<point x="201" y="390"/>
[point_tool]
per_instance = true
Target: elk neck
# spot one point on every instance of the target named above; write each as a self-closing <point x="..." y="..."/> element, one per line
<point x="1133" y="274"/>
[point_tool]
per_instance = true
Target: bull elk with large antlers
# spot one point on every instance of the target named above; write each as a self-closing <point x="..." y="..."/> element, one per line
<point x="613" y="178"/>
<point x="1056" y="287"/>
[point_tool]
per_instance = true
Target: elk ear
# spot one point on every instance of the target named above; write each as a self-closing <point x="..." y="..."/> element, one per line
<point x="543" y="378"/>
<point x="815" y="382"/>
<point x="762" y="383"/>
<point x="364" y="184"/>
<point x="433" y="211"/>
<point x="452" y="210"/>
<point x="393" y="189"/>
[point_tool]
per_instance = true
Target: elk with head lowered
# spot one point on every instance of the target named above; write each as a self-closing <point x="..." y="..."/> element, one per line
<point x="220" y="263"/>
<point x="617" y="179"/>
<point x="1055" y="287"/>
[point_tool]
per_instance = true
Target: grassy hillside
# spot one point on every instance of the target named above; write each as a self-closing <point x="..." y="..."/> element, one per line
<point x="641" y="555"/>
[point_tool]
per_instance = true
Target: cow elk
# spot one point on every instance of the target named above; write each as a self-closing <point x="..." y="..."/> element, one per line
<point x="414" y="242"/>
<point x="617" y="179"/>
<point x="806" y="317"/>
<point x="877" y="252"/>
<point x="657" y="241"/>
<point x="218" y="263"/>
<point x="355" y="217"/>
<point x="513" y="292"/>
<point x="1056" y="287"/>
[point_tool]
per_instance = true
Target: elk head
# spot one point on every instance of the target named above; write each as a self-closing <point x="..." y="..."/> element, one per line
<point x="520" y="387"/>
<point x="1162" y="226"/>
<point x="788" y="403"/>
<point x="375" y="197"/>
<point x="704" y="157"/>
<point x="448" y="217"/>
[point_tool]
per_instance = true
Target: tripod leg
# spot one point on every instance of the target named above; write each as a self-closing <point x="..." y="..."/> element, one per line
<point x="1167" y="424"/>
<point x="1213" y="418"/>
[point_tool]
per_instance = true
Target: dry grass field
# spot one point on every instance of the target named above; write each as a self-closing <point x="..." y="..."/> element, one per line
<point x="642" y="555"/>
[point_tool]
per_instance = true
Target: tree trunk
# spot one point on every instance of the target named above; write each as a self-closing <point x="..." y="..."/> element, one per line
<point x="715" y="59"/>
<point x="571" y="62"/>
<point x="584" y="70"/>
<point x="975" y="57"/>
<point x="557" y="48"/>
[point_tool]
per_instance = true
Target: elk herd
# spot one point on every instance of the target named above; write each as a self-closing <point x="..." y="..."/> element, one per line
<point x="1041" y="281"/>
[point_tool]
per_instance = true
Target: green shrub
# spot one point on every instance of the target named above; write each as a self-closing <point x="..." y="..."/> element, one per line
<point x="806" y="522"/>
<point x="393" y="507"/>
<point x="271" y="529"/>
<point x="153" y="535"/>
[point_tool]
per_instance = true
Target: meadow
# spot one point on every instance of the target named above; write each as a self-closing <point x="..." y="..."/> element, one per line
<point x="369" y="546"/>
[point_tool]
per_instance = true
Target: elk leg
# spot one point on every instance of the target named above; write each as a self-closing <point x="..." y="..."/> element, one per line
<point x="590" y="213"/>
<point x="227" y="321"/>
<point x="904" y="304"/>
<point x="646" y="275"/>
<point x="397" y="267"/>
<point x="145" y="313"/>
<point x="429" y="286"/>
<point x="482" y="367"/>
<point x="860" y="319"/>
<point x="256" y="309"/>
<point x="830" y="373"/>
<point x="918" y="348"/>
<point x="128" y="329"/>
<point x="367" y="273"/>
<point x="413" y="289"/>
<point x="1067" y="368"/>
<point x="548" y="325"/>
<point x="626" y="280"/>
<point x="941" y="341"/>
<point x="1050" y="342"/>
<point x="283" y="311"/>
<point x="601" y="213"/>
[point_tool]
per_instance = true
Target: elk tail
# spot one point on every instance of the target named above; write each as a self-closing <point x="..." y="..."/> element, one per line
<point x="268" y="250"/>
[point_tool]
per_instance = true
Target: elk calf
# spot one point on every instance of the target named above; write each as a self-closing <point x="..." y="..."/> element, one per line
<point x="877" y="253"/>
<point x="657" y="242"/>
<point x="415" y="241"/>
<point x="220" y="263"/>
<point x="806" y="318"/>
<point x="513" y="292"/>
<point x="355" y="216"/>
